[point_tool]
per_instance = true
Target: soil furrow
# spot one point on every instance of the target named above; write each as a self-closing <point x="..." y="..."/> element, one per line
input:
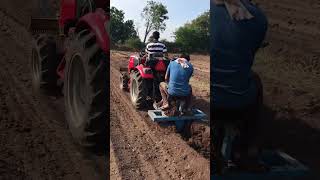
<point x="168" y="158"/>
<point x="34" y="131"/>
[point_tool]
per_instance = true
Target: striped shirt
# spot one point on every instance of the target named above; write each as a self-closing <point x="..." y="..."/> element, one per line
<point x="156" y="47"/>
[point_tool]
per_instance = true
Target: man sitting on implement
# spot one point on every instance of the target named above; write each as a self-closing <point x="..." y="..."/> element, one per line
<point x="176" y="82"/>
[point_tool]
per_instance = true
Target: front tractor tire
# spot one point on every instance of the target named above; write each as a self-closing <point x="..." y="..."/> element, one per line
<point x="86" y="92"/>
<point x="137" y="90"/>
<point x="44" y="64"/>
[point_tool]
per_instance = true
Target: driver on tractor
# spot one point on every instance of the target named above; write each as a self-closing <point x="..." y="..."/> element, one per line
<point x="155" y="47"/>
<point x="176" y="86"/>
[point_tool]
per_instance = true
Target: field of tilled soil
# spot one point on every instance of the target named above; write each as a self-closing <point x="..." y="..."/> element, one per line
<point x="290" y="70"/>
<point x="35" y="142"/>
<point x="142" y="149"/>
<point x="294" y="27"/>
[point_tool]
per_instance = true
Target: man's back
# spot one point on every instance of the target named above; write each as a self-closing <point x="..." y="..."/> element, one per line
<point x="156" y="47"/>
<point x="234" y="46"/>
<point x="179" y="78"/>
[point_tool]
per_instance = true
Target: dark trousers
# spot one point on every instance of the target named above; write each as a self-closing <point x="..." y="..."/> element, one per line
<point x="245" y="119"/>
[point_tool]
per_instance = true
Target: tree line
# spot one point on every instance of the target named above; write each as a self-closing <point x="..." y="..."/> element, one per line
<point x="191" y="37"/>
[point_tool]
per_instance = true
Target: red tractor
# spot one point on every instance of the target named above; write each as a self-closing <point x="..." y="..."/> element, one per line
<point x="142" y="78"/>
<point x="70" y="56"/>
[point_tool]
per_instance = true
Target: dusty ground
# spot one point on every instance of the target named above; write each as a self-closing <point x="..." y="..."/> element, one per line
<point x="294" y="26"/>
<point x="34" y="140"/>
<point x="142" y="149"/>
<point x="290" y="69"/>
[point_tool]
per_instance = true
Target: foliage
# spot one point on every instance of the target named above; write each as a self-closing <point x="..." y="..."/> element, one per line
<point x="121" y="30"/>
<point x="194" y="36"/>
<point x="172" y="47"/>
<point x="154" y="14"/>
<point x="134" y="43"/>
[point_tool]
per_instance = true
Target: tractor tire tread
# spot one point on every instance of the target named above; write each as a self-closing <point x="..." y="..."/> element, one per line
<point x="45" y="47"/>
<point x="93" y="134"/>
<point x="140" y="100"/>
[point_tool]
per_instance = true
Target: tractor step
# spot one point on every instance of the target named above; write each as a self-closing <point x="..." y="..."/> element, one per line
<point x="280" y="165"/>
<point x="159" y="116"/>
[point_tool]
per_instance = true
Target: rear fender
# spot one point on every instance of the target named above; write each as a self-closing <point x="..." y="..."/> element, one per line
<point x="102" y="3"/>
<point x="68" y="12"/>
<point x="98" y="23"/>
<point x="146" y="73"/>
<point x="161" y="66"/>
<point x="131" y="63"/>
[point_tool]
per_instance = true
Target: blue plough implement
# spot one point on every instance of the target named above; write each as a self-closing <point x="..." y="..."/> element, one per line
<point x="180" y="121"/>
<point x="281" y="166"/>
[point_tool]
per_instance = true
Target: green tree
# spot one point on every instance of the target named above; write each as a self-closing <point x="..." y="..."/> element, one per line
<point x="154" y="15"/>
<point x="134" y="43"/>
<point x="129" y="30"/>
<point x="120" y="30"/>
<point x="172" y="47"/>
<point x="195" y="36"/>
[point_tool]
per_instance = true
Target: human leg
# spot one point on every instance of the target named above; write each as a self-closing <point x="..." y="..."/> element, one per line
<point x="164" y="94"/>
<point x="218" y="134"/>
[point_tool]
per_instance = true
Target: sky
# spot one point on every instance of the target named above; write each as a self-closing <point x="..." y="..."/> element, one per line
<point x="179" y="12"/>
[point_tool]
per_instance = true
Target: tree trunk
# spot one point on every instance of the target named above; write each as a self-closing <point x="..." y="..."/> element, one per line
<point x="146" y="33"/>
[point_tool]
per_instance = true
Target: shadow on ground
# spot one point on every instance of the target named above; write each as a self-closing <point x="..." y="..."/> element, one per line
<point x="293" y="136"/>
<point x="203" y="105"/>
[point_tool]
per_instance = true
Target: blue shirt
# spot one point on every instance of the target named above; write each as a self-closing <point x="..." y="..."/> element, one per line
<point x="179" y="79"/>
<point x="234" y="44"/>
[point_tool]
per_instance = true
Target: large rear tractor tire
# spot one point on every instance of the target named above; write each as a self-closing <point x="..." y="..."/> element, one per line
<point x="86" y="92"/>
<point x="137" y="90"/>
<point x="44" y="64"/>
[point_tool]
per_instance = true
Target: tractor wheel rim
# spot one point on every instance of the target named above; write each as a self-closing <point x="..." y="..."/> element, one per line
<point x="36" y="68"/>
<point x="77" y="91"/>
